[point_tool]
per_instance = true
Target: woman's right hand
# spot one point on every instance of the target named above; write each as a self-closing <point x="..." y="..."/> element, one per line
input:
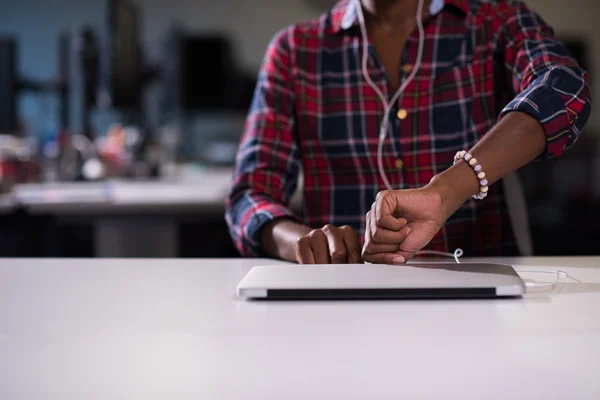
<point x="329" y="245"/>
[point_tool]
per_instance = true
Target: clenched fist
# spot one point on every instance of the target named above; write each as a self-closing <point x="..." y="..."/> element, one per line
<point x="402" y="222"/>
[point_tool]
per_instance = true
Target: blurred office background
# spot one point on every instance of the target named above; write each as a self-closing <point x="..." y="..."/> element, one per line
<point x="119" y="122"/>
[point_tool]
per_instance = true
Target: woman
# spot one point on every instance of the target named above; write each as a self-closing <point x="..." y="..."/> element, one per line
<point x="374" y="102"/>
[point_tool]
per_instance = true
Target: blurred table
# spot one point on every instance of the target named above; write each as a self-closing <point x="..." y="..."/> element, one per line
<point x="7" y="203"/>
<point x="173" y="329"/>
<point x="202" y="192"/>
<point x="131" y="218"/>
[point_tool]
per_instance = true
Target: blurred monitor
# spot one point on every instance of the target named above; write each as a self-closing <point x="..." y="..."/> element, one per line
<point x="8" y="85"/>
<point x="200" y="72"/>
<point x="122" y="72"/>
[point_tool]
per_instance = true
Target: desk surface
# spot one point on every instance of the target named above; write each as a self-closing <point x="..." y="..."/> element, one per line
<point x="173" y="329"/>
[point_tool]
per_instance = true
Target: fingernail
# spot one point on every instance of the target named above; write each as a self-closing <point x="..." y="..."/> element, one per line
<point x="408" y="230"/>
<point x="398" y="260"/>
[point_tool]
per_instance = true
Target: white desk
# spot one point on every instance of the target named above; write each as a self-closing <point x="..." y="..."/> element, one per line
<point x="172" y="329"/>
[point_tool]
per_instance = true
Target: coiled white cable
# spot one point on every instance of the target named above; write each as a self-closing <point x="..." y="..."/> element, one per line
<point x="388" y="106"/>
<point x="457" y="254"/>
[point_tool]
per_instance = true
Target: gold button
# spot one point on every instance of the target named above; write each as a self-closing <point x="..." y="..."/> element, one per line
<point x="402" y="113"/>
<point x="399" y="164"/>
<point x="407" y="68"/>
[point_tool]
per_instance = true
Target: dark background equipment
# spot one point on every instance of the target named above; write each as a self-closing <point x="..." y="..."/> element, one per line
<point x="11" y="83"/>
<point x="8" y="85"/>
<point x="200" y="74"/>
<point x="122" y="71"/>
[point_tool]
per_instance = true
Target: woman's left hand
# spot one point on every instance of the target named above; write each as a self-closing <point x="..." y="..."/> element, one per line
<point x="402" y="222"/>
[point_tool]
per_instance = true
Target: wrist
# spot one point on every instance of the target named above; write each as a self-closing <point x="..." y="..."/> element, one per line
<point x="454" y="186"/>
<point x="279" y="236"/>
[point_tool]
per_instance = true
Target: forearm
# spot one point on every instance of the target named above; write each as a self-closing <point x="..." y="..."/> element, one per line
<point x="515" y="141"/>
<point x="551" y="106"/>
<point x="278" y="238"/>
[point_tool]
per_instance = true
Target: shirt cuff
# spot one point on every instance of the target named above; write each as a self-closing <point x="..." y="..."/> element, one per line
<point x="258" y="219"/>
<point x="547" y="106"/>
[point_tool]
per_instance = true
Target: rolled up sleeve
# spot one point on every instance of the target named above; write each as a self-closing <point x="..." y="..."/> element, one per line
<point x="549" y="84"/>
<point x="267" y="164"/>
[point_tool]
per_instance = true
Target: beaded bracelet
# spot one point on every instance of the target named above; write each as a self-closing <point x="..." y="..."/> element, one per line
<point x="483" y="183"/>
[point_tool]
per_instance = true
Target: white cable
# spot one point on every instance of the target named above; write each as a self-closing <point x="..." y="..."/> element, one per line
<point x="560" y="275"/>
<point x="536" y="285"/>
<point x="388" y="106"/>
<point x="457" y="253"/>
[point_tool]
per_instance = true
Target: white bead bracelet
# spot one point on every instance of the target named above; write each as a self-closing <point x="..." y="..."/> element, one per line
<point x="483" y="183"/>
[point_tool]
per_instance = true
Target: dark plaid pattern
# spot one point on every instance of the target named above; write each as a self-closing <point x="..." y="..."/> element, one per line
<point x="313" y="112"/>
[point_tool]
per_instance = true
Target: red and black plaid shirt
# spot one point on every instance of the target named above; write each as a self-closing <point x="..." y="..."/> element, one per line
<point x="313" y="112"/>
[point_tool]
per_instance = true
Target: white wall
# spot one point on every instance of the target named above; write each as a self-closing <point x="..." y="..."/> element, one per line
<point x="251" y="23"/>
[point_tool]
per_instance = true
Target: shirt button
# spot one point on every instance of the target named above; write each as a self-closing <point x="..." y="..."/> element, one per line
<point x="399" y="164"/>
<point x="407" y="68"/>
<point x="402" y="113"/>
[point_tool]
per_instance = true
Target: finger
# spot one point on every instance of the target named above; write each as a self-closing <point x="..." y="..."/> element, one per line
<point x="385" y="258"/>
<point x="304" y="253"/>
<point x="386" y="236"/>
<point x="372" y="219"/>
<point x="397" y="257"/>
<point x="336" y="245"/>
<point x="320" y="249"/>
<point x="405" y="253"/>
<point x="383" y="208"/>
<point x="367" y="235"/>
<point x="383" y="253"/>
<point x="392" y="223"/>
<point x="352" y="244"/>
<point x="374" y="248"/>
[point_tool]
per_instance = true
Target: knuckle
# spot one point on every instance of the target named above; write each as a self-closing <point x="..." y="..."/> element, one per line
<point x="365" y="250"/>
<point x="316" y="234"/>
<point x="328" y="228"/>
<point x="381" y="195"/>
<point x="369" y="245"/>
<point x="302" y="242"/>
<point x="375" y="232"/>
<point x="347" y="228"/>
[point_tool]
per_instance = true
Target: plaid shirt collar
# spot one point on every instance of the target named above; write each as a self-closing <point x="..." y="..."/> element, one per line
<point x="344" y="16"/>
